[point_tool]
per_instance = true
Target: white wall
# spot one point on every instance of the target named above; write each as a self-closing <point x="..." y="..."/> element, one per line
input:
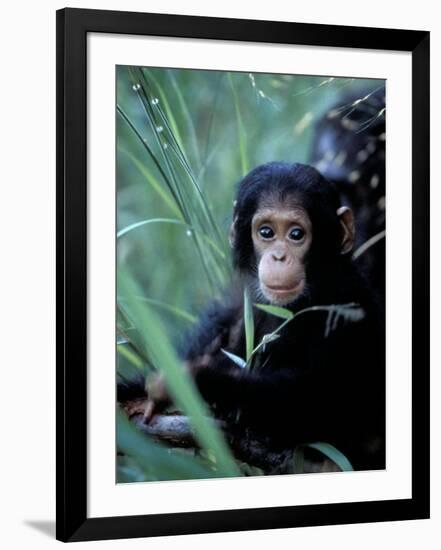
<point x="27" y="203"/>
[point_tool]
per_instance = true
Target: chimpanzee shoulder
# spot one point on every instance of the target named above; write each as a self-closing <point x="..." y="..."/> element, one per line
<point x="213" y="327"/>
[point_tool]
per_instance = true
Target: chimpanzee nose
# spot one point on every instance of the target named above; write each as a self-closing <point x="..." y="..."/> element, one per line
<point x="279" y="255"/>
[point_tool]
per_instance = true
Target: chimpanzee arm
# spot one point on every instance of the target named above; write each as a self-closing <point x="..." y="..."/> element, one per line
<point x="236" y="387"/>
<point x="215" y="329"/>
<point x="269" y="397"/>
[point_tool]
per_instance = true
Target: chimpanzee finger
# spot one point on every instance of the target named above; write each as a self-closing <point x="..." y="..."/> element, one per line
<point x="149" y="411"/>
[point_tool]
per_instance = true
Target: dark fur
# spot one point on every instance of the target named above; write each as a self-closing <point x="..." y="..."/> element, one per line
<point x="357" y="133"/>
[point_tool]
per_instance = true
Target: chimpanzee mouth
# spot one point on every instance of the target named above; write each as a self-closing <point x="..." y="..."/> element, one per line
<point x="283" y="289"/>
<point x="279" y="294"/>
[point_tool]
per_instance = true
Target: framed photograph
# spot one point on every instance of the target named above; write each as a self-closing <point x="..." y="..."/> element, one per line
<point x="242" y="274"/>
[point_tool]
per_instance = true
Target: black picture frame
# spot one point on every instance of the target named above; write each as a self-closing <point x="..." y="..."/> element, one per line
<point x="73" y="25"/>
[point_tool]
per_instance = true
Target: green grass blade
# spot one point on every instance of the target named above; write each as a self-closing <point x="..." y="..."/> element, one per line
<point x="235" y="358"/>
<point x="211" y="118"/>
<point x="249" y="324"/>
<point x="128" y="364"/>
<point x="141" y="223"/>
<point x="298" y="460"/>
<point x="333" y="454"/>
<point x="187" y="114"/>
<point x="241" y="134"/>
<point x="169" y="117"/>
<point x="154" y="183"/>
<point x="131" y="335"/>
<point x="205" y="214"/>
<point x="172" y="309"/>
<point x="276" y="310"/>
<point x="128" y="354"/>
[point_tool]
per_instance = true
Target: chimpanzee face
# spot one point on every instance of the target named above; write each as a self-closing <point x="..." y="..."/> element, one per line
<point x="282" y="236"/>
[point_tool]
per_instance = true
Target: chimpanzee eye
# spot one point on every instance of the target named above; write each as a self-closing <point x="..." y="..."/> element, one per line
<point x="266" y="232"/>
<point x="297" y="234"/>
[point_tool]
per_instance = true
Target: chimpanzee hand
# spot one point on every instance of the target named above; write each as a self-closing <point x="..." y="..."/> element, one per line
<point x="158" y="397"/>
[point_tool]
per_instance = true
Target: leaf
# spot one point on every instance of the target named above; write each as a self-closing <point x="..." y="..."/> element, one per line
<point x="178" y="312"/>
<point x="168" y="115"/>
<point x="135" y="225"/>
<point x="191" y="131"/>
<point x="276" y="311"/>
<point x="298" y="460"/>
<point x="235" y="358"/>
<point x="267" y="338"/>
<point x="349" y="312"/>
<point x="333" y="454"/>
<point x="352" y="313"/>
<point x="153" y="182"/>
<point x="128" y="353"/>
<point x="241" y="133"/>
<point x="249" y="323"/>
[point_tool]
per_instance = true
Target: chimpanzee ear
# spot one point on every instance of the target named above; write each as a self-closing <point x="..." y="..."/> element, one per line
<point x="232" y="233"/>
<point x="347" y="222"/>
